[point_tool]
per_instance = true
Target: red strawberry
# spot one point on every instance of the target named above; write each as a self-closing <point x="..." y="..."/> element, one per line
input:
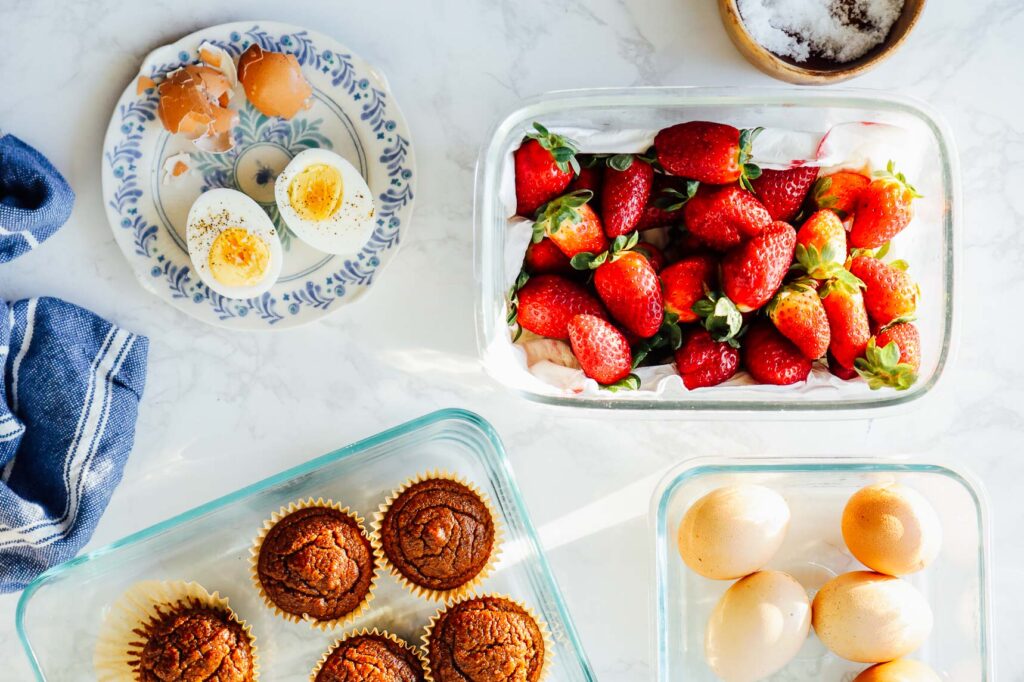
<point x="572" y="225"/>
<point x="686" y="282"/>
<point x="589" y="178"/>
<point x="892" y="357"/>
<point x="771" y="358"/>
<point x="669" y="195"/>
<point x="840" y="371"/>
<point x="629" y="288"/>
<point x="797" y="312"/>
<point x="544" y="257"/>
<point x="906" y="336"/>
<point x="653" y="255"/>
<point x="821" y="246"/>
<point x="702" y="361"/>
<point x="602" y="350"/>
<point x="753" y="271"/>
<point x="848" y="322"/>
<point x="839" y="192"/>
<point x="723" y="217"/>
<point x="624" y="194"/>
<point x="782" y="192"/>
<point x="546" y="303"/>
<point x="545" y="164"/>
<point x="714" y="153"/>
<point x="883" y="209"/>
<point x="890" y="292"/>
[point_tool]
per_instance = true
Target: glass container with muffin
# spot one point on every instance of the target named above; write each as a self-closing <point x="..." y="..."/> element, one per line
<point x="300" y="560"/>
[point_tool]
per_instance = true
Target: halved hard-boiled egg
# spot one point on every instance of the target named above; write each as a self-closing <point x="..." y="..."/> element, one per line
<point x="233" y="244"/>
<point x="325" y="201"/>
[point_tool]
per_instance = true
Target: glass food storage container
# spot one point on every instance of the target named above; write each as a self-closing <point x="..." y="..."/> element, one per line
<point x="60" y="613"/>
<point x="955" y="584"/>
<point x="929" y="244"/>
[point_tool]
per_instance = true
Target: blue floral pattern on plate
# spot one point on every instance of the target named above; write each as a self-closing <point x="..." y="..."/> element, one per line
<point x="353" y="113"/>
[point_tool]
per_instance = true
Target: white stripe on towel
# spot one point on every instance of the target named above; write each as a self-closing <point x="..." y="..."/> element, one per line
<point x="29" y="237"/>
<point x="91" y="426"/>
<point x="26" y="341"/>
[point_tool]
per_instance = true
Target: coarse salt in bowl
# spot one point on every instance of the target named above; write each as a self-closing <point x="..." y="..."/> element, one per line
<point x="818" y="41"/>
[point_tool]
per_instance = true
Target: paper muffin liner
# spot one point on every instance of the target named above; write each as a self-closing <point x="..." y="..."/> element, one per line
<point x="254" y="557"/>
<point x="545" y="633"/>
<point x="426" y="592"/>
<point x="120" y="641"/>
<point x="414" y="650"/>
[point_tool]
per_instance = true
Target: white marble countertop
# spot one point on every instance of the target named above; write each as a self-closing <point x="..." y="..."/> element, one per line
<point x="246" y="406"/>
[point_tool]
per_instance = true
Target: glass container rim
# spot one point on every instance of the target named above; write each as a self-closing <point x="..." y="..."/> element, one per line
<point x="488" y="167"/>
<point x="695" y="467"/>
<point x="458" y="416"/>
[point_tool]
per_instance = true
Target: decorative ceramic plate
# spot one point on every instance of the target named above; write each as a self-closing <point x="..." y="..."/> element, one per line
<point x="353" y="113"/>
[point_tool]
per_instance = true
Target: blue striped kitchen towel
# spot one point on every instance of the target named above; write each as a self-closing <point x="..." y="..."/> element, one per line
<point x="35" y="200"/>
<point x="70" y="384"/>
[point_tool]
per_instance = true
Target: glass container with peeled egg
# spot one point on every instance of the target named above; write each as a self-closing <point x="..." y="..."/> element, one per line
<point x="750" y="550"/>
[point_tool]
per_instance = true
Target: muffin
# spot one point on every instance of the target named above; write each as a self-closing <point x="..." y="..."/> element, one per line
<point x="438" y="535"/>
<point x="370" y="656"/>
<point x="195" y="643"/>
<point x="485" y="639"/>
<point x="314" y="562"/>
<point x="158" y="632"/>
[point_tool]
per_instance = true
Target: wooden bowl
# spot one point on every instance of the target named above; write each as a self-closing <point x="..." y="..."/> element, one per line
<point x="819" y="72"/>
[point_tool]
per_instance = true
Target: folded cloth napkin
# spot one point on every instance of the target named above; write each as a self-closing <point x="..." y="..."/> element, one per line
<point x="70" y="384"/>
<point x="35" y="200"/>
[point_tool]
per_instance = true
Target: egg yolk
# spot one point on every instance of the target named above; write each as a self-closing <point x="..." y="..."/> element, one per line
<point x="315" y="193"/>
<point x="238" y="258"/>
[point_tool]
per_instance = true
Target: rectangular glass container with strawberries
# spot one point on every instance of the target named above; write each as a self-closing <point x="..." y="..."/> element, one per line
<point x="955" y="583"/>
<point x="613" y="116"/>
<point x="60" y="613"/>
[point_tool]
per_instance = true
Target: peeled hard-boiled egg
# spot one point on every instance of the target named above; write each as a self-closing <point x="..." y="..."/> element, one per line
<point x="892" y="529"/>
<point x="757" y="627"/>
<point x="733" y="531"/>
<point x="871" y="618"/>
<point x="234" y="246"/>
<point x="901" y="670"/>
<point x="325" y="202"/>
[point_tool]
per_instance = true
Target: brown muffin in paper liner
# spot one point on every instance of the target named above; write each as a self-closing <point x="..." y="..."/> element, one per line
<point x="545" y="633"/>
<point x="123" y="634"/>
<point x="254" y="552"/>
<point x="414" y="650"/>
<point x="426" y="592"/>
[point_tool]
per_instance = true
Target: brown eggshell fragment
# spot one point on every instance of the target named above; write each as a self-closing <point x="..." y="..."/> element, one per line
<point x="193" y="103"/>
<point x="144" y="83"/>
<point x="273" y="82"/>
<point x="217" y="57"/>
<point x="208" y="56"/>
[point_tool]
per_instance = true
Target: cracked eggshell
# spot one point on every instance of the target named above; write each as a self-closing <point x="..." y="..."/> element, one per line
<point x="273" y="82"/>
<point x="733" y="531"/>
<point x="219" y="58"/>
<point x="176" y="166"/>
<point x="194" y="103"/>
